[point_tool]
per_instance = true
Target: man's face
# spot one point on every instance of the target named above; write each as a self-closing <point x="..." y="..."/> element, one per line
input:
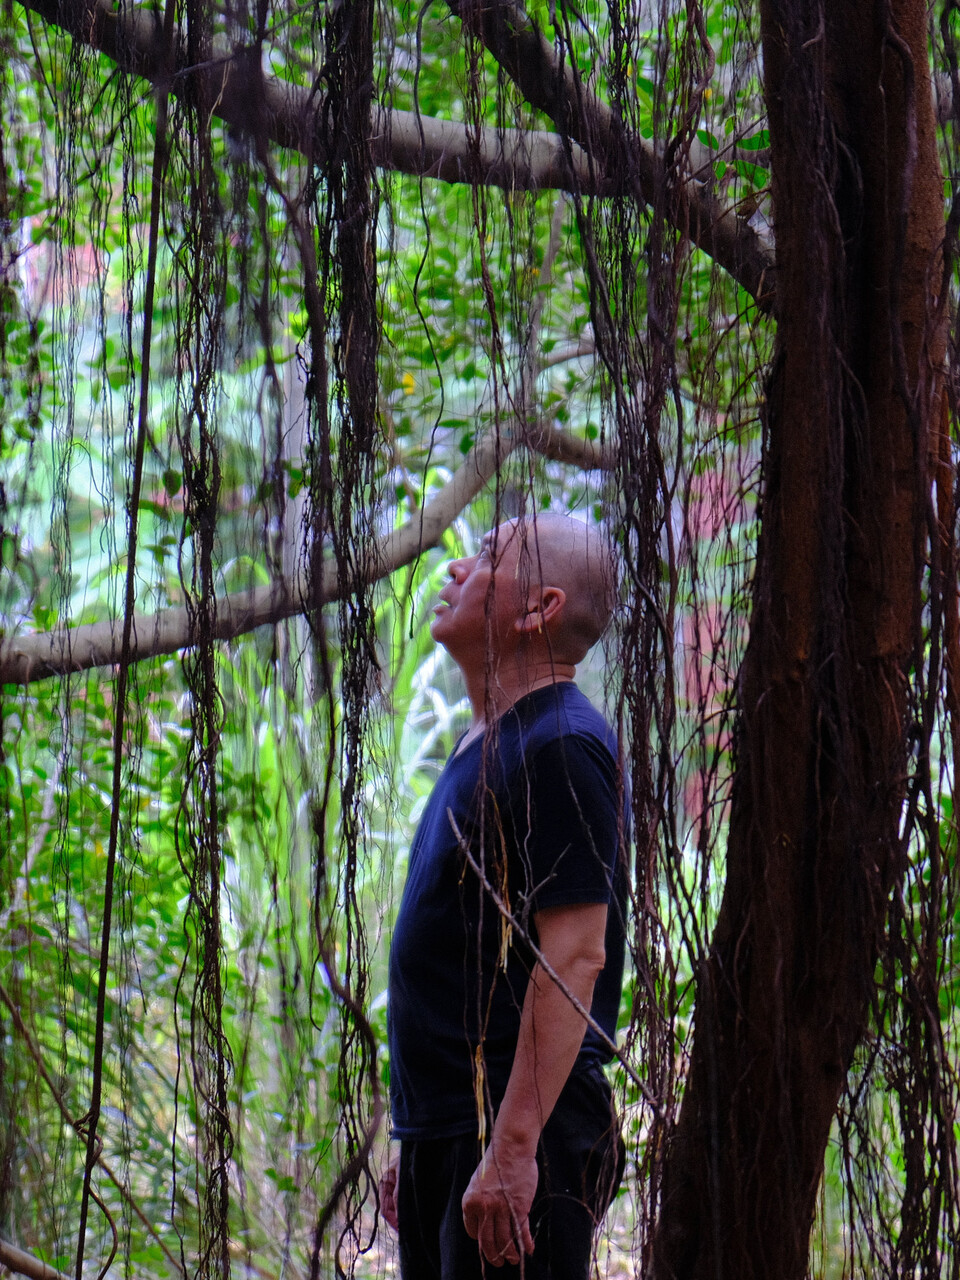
<point x="481" y="603"/>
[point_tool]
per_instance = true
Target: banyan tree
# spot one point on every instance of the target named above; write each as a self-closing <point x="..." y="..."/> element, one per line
<point x="296" y="300"/>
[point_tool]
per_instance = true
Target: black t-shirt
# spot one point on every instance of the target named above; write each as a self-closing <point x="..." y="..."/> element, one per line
<point x="535" y="809"/>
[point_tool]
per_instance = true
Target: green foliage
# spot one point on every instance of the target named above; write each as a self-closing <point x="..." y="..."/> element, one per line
<point x="487" y="308"/>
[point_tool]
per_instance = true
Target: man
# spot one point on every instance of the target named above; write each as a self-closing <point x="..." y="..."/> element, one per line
<point x="510" y="929"/>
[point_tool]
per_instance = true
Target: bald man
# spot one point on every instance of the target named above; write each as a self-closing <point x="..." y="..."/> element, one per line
<point x="511" y="927"/>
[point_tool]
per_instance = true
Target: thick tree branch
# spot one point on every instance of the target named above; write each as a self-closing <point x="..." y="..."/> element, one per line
<point x="25" y="1264"/>
<point x="24" y="659"/>
<point x="288" y="115"/>
<point x="67" y="650"/>
<point x="546" y="439"/>
<point x="627" y="162"/>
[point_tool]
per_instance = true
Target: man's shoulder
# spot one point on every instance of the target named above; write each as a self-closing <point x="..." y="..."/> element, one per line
<point x="556" y="733"/>
<point x="562" y="711"/>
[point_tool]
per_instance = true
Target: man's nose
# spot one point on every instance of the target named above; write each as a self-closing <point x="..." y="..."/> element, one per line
<point x="458" y="569"/>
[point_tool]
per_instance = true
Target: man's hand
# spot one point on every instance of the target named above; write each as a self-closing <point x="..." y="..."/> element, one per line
<point x="388" y="1192"/>
<point x="496" y="1204"/>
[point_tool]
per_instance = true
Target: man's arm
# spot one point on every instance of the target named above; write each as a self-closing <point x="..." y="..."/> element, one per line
<point x="496" y="1205"/>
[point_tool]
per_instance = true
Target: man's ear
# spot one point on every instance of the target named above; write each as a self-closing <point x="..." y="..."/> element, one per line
<point x="542" y="609"/>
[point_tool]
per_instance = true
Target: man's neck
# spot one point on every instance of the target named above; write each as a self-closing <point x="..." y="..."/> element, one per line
<point x="492" y="692"/>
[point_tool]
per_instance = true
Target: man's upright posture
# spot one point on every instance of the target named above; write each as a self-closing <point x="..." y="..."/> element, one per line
<point x="510" y="929"/>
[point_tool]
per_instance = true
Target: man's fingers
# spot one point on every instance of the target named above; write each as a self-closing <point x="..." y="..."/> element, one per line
<point x="526" y="1237"/>
<point x="388" y="1205"/>
<point x="471" y="1220"/>
<point x="496" y="1241"/>
<point x="501" y="1238"/>
<point x="496" y="1208"/>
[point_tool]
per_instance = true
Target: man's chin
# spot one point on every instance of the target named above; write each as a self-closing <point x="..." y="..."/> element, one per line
<point x="443" y="634"/>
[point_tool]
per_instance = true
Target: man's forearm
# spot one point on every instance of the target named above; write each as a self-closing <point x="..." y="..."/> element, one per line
<point x="551" y="1033"/>
<point x="496" y="1206"/>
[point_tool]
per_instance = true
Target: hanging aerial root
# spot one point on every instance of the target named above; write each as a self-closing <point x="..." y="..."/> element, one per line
<point x="119" y="753"/>
<point x="946" y="494"/>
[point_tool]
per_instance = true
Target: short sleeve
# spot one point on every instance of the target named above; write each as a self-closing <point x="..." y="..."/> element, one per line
<point x="567" y="823"/>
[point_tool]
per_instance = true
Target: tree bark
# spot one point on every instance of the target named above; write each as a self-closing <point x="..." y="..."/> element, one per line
<point x="821" y="755"/>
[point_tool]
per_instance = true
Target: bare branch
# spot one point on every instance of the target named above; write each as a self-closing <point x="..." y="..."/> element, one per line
<point x="25" y="1264"/>
<point x="514" y="159"/>
<point x="545" y="438"/>
<point x="24" y="659"/>
<point x="577" y="349"/>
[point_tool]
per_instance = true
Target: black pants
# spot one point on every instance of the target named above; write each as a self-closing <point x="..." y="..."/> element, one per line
<point x="581" y="1158"/>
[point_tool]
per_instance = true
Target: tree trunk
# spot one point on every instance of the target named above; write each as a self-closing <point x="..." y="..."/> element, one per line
<point x="821" y="754"/>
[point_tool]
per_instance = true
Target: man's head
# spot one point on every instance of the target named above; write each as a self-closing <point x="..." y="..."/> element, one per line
<point x="541" y="588"/>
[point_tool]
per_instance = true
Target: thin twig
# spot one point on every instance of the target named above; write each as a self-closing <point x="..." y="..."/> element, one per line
<point x="35" y="1054"/>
